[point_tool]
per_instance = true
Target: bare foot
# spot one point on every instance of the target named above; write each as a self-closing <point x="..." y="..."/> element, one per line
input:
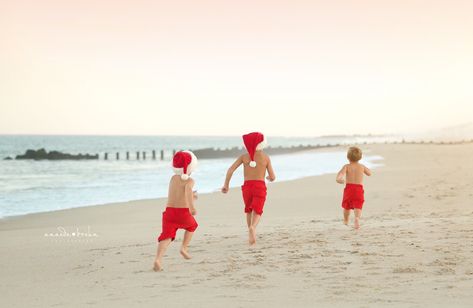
<point x="185" y="254"/>
<point x="357" y="223"/>
<point x="157" y="266"/>
<point x="251" y="235"/>
<point x="345" y="222"/>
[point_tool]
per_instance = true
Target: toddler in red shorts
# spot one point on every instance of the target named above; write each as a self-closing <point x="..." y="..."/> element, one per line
<point x="353" y="195"/>
<point x="255" y="164"/>
<point x="180" y="211"/>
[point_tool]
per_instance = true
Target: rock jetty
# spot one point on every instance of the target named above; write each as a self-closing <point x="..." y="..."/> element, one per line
<point x="42" y="154"/>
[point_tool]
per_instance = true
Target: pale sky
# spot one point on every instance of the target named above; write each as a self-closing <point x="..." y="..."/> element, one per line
<point x="302" y="68"/>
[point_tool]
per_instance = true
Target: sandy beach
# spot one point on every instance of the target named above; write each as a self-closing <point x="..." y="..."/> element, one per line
<point x="414" y="248"/>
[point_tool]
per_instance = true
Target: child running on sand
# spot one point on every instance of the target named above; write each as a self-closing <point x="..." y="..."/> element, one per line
<point x="255" y="165"/>
<point x="180" y="207"/>
<point x="353" y="195"/>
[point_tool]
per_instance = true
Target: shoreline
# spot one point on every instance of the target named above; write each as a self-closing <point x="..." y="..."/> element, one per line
<point x="319" y="150"/>
<point x="162" y="199"/>
<point x="159" y="201"/>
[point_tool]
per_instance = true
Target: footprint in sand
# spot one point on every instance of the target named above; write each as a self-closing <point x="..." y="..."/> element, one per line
<point x="406" y="270"/>
<point x="445" y="271"/>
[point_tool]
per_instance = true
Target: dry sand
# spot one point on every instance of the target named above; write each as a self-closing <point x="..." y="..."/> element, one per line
<point x="415" y="248"/>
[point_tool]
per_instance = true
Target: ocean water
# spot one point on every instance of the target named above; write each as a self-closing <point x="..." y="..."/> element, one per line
<point x="39" y="186"/>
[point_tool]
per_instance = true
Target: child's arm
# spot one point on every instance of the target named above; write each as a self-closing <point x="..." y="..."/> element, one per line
<point x="190" y="196"/>
<point x="271" y="176"/>
<point x="366" y="170"/>
<point x="230" y="171"/>
<point x="341" y="175"/>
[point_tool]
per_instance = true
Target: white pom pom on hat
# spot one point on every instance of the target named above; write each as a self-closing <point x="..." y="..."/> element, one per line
<point x="252" y="164"/>
<point x="184" y="163"/>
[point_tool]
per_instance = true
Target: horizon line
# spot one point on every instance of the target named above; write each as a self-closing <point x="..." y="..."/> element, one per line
<point x="204" y="135"/>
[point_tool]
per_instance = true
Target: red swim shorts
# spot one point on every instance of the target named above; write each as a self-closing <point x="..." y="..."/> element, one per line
<point x="175" y="218"/>
<point x="353" y="197"/>
<point x="254" y="196"/>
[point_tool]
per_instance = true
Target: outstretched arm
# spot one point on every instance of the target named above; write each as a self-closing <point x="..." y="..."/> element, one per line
<point x="230" y="171"/>
<point x="367" y="171"/>
<point x="341" y="175"/>
<point x="271" y="176"/>
<point x="190" y="196"/>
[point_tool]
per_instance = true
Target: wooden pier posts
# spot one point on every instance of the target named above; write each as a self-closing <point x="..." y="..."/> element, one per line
<point x="140" y="155"/>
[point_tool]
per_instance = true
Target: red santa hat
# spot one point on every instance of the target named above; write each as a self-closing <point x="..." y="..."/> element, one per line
<point x="254" y="142"/>
<point x="184" y="163"/>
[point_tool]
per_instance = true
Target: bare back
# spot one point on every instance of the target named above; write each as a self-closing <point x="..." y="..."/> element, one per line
<point x="178" y="194"/>
<point x="263" y="164"/>
<point x="259" y="172"/>
<point x="354" y="173"/>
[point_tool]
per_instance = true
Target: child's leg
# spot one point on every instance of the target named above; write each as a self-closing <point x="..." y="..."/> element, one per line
<point x="357" y="218"/>
<point x="185" y="243"/>
<point x="346" y="216"/>
<point x="252" y="230"/>
<point x="162" y="246"/>
<point x="248" y="219"/>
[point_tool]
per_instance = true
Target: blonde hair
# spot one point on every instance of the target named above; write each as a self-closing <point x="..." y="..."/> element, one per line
<point x="354" y="154"/>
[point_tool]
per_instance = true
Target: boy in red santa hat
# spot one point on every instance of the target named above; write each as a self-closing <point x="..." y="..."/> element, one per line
<point x="180" y="207"/>
<point x="255" y="164"/>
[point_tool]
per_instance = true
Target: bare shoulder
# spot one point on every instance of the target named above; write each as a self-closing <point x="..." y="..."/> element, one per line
<point x="190" y="182"/>
<point x="244" y="158"/>
<point x="175" y="182"/>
